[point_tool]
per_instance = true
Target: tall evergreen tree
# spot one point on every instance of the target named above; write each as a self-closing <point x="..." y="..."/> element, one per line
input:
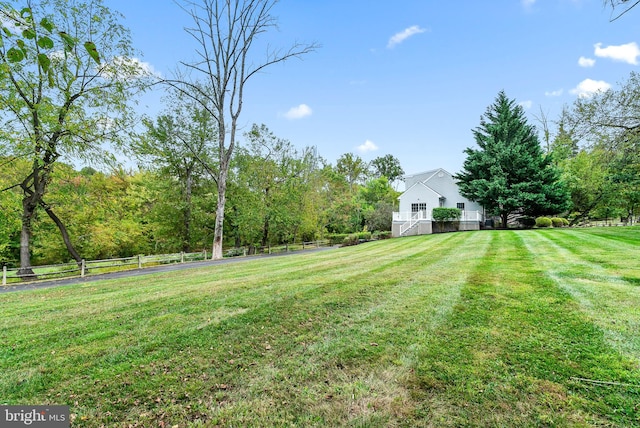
<point x="509" y="172"/>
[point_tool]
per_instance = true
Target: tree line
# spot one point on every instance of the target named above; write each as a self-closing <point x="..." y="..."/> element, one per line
<point x="277" y="194"/>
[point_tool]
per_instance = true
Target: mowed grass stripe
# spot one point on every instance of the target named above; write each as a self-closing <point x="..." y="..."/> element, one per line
<point x="601" y="249"/>
<point x="510" y="352"/>
<point x="610" y="300"/>
<point x="459" y="329"/>
<point x="626" y="235"/>
<point x="358" y="369"/>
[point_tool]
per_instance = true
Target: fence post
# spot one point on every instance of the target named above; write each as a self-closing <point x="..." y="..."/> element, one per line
<point x="244" y="251"/>
<point x="181" y="256"/>
<point x="139" y="261"/>
<point x="269" y="247"/>
<point x="82" y="267"/>
<point x="4" y="274"/>
<point x="205" y="254"/>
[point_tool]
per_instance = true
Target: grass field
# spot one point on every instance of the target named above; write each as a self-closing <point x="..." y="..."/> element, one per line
<point x="490" y="328"/>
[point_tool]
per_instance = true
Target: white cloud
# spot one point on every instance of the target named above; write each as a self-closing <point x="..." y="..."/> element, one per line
<point x="556" y="93"/>
<point x="298" y="112"/>
<point x="589" y="87"/>
<point x="626" y="53"/>
<point x="586" y="62"/>
<point x="528" y="3"/>
<point x="367" y="146"/>
<point x="404" y="35"/>
<point x="526" y="104"/>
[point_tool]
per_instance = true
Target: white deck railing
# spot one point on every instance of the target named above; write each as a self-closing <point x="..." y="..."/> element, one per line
<point x="414" y="217"/>
<point x="410" y="216"/>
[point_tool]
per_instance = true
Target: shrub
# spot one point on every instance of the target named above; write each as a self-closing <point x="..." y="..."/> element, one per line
<point x="557" y="222"/>
<point x="527" y="222"/>
<point x="382" y="235"/>
<point x="365" y="236"/>
<point x="446" y="214"/>
<point x="565" y="221"/>
<point x="336" y="238"/>
<point x="543" y="222"/>
<point x="351" y="239"/>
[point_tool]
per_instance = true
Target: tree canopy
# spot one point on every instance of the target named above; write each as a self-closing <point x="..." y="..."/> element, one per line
<point x="508" y="173"/>
<point x="603" y="166"/>
<point x="66" y="75"/>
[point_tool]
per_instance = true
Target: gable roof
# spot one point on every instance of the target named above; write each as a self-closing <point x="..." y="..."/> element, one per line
<point x="420" y="183"/>
<point x="428" y="174"/>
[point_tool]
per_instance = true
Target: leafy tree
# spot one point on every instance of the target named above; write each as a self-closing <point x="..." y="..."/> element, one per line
<point x="353" y="168"/>
<point x="585" y="176"/>
<point x="273" y="179"/>
<point x="387" y="166"/>
<point x="607" y="119"/>
<point x="225" y="32"/>
<point x="178" y="144"/>
<point x="379" y="217"/>
<point x="341" y="211"/>
<point x="378" y="190"/>
<point x="607" y="126"/>
<point x="66" y="74"/>
<point x="11" y="171"/>
<point x="377" y="200"/>
<point x="509" y="173"/>
<point x="108" y="212"/>
<point x="625" y="175"/>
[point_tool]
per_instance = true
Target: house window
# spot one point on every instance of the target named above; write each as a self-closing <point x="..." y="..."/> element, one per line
<point x="418" y="207"/>
<point x="460" y="205"/>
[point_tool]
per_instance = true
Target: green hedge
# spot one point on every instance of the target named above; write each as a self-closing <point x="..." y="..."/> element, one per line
<point x="446" y="214"/>
<point x="543" y="222"/>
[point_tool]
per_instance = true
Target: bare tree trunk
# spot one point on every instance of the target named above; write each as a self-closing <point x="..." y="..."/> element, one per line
<point x="265" y="231"/>
<point x="265" y="225"/>
<point x="28" y="211"/>
<point x="216" y="252"/>
<point x="186" y="238"/>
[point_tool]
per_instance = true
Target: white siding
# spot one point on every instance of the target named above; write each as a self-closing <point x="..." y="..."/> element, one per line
<point x="419" y="193"/>
<point x="427" y="187"/>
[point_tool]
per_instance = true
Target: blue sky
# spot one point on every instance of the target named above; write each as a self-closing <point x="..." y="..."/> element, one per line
<point x="409" y="77"/>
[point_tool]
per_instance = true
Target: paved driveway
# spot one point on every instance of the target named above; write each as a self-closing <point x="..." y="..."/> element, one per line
<point x="144" y="271"/>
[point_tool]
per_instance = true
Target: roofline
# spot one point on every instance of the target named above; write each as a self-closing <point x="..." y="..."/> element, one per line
<point x="430" y="171"/>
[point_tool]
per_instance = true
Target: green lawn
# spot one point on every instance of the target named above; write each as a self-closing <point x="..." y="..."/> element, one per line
<point x="490" y="328"/>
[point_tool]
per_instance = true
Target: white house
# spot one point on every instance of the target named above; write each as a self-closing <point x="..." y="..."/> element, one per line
<point x="426" y="191"/>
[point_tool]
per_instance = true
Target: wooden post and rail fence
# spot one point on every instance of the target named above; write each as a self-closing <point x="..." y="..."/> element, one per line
<point x="11" y="275"/>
